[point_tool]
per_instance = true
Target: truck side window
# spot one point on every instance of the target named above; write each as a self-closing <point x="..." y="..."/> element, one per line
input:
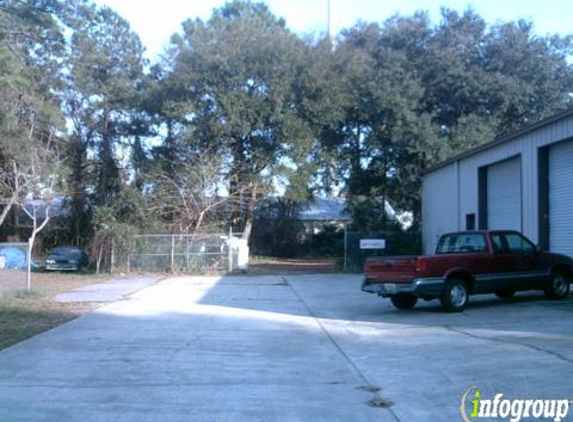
<point x="474" y="243"/>
<point x="518" y="244"/>
<point x="497" y="243"/>
<point x="462" y="243"/>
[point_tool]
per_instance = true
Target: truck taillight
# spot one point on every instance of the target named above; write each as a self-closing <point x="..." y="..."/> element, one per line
<point x="420" y="266"/>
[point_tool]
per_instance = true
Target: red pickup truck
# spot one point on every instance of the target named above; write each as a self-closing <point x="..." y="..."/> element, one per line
<point x="467" y="263"/>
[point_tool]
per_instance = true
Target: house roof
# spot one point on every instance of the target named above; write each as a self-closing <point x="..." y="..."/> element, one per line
<point x="502" y="139"/>
<point x="58" y="207"/>
<point x="333" y="209"/>
<point x="324" y="209"/>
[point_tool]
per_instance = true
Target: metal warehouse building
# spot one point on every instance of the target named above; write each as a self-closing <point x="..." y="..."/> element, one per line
<point x="523" y="182"/>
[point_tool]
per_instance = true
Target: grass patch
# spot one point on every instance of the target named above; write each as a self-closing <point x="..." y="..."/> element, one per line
<point x="23" y="294"/>
<point x="24" y="314"/>
<point x="28" y="314"/>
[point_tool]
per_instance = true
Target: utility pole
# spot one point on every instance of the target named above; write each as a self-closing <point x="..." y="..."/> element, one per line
<point x="328" y="16"/>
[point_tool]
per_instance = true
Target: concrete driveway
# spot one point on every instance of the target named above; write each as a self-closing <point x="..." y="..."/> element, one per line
<point x="293" y="348"/>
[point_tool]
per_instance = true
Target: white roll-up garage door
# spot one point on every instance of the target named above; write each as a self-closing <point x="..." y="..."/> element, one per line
<point x="504" y="195"/>
<point x="561" y="198"/>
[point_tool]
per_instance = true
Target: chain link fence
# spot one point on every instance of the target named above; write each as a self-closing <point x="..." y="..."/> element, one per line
<point x="397" y="243"/>
<point x="200" y="253"/>
<point x="13" y="268"/>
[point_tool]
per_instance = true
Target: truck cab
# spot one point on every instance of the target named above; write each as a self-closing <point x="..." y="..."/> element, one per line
<point x="467" y="263"/>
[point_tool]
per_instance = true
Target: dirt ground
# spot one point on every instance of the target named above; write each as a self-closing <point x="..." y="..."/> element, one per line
<point x="265" y="266"/>
<point x="45" y="284"/>
<point x="11" y="281"/>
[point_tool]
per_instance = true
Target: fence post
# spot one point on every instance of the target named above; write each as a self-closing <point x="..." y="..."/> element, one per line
<point x="172" y="253"/>
<point x="112" y="257"/>
<point x="29" y="266"/>
<point x="345" y="246"/>
<point x="187" y="252"/>
<point x="230" y="251"/>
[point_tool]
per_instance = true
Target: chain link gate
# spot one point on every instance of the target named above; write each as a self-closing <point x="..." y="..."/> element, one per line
<point x="186" y="253"/>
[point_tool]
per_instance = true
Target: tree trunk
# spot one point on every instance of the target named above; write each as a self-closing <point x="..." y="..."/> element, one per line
<point x="15" y="193"/>
<point x="5" y="211"/>
<point x="385" y="192"/>
<point x="78" y="223"/>
<point x="236" y="185"/>
<point x="31" y="241"/>
<point x="250" y="212"/>
<point x="199" y="222"/>
<point x="99" y="258"/>
<point x="29" y="261"/>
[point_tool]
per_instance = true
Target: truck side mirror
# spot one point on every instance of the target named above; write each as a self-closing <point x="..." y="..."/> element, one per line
<point x="538" y="249"/>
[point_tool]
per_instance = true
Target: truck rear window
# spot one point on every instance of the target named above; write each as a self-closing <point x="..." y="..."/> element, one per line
<point x="462" y="243"/>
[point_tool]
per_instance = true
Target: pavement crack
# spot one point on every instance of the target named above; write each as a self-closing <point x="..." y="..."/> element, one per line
<point x="340" y="350"/>
<point x="155" y="385"/>
<point x="510" y="342"/>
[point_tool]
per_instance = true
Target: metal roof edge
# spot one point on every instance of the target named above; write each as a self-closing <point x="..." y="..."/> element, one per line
<point x="501" y="139"/>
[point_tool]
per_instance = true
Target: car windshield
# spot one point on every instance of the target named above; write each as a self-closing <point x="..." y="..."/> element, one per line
<point x="462" y="243"/>
<point x="66" y="251"/>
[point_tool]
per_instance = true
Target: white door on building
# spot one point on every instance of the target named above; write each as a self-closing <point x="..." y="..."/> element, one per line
<point x="504" y="195"/>
<point x="561" y="198"/>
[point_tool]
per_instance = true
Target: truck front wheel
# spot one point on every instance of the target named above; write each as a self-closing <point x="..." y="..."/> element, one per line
<point x="559" y="286"/>
<point x="404" y="301"/>
<point x="455" y="295"/>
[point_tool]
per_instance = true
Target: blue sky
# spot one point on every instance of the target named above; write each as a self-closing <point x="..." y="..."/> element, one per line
<point x="156" y="20"/>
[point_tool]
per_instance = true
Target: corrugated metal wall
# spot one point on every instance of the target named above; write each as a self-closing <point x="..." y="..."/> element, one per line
<point x="439" y="206"/>
<point x="438" y="190"/>
<point x="504" y="195"/>
<point x="561" y="198"/>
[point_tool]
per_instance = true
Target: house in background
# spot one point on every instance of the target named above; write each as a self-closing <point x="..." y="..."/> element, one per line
<point x="18" y="225"/>
<point x="324" y="212"/>
<point x="332" y="211"/>
<point x="523" y="181"/>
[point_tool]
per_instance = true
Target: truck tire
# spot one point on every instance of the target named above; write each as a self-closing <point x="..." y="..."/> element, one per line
<point x="505" y="294"/>
<point x="404" y="301"/>
<point x="559" y="286"/>
<point x="455" y="296"/>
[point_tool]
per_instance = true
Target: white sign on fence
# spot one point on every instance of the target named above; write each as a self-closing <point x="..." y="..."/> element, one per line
<point x="372" y="243"/>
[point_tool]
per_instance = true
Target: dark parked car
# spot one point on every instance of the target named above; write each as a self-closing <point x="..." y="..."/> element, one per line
<point x="467" y="263"/>
<point x="66" y="258"/>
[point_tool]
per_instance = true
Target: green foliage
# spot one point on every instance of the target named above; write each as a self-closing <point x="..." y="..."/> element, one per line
<point x="242" y="70"/>
<point x="115" y="226"/>
<point x="327" y="243"/>
<point x="30" y="115"/>
<point x="106" y="72"/>
<point x="241" y="97"/>
<point x="419" y="93"/>
<point x="278" y="231"/>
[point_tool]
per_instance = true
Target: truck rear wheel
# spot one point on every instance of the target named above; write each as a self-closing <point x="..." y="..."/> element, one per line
<point x="455" y="295"/>
<point x="404" y="301"/>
